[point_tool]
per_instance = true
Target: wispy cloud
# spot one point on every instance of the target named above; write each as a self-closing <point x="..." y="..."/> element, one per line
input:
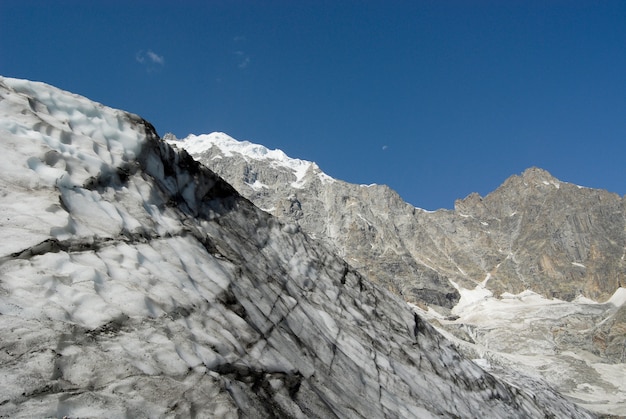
<point x="244" y="59"/>
<point x="150" y="59"/>
<point x="157" y="59"/>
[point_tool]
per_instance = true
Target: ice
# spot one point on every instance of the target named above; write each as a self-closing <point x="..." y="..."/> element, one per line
<point x="144" y="287"/>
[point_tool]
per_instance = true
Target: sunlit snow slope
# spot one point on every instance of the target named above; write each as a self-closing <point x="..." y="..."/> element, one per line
<point x="136" y="283"/>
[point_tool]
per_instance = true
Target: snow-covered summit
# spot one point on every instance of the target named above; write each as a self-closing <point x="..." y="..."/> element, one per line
<point x="197" y="145"/>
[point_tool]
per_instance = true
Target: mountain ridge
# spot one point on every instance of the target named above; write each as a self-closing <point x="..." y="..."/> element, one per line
<point x="497" y="205"/>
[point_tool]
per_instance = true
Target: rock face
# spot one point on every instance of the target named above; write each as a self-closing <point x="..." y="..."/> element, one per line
<point x="370" y="226"/>
<point x="134" y="282"/>
<point x="533" y="234"/>
<point x="558" y="239"/>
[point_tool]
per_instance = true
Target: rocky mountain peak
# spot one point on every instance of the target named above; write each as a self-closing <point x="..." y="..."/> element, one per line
<point x="536" y="175"/>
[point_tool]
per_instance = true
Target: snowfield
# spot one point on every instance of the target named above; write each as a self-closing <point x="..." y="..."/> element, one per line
<point x="544" y="338"/>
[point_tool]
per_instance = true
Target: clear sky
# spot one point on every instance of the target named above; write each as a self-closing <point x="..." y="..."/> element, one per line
<point x="436" y="99"/>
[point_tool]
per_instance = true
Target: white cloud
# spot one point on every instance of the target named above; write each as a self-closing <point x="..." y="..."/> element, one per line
<point x="244" y="59"/>
<point x="385" y="147"/>
<point x="244" y="63"/>
<point x="149" y="58"/>
<point x="139" y="57"/>
<point x="157" y="59"/>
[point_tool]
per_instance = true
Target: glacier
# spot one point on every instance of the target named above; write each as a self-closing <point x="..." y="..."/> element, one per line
<point x="134" y="282"/>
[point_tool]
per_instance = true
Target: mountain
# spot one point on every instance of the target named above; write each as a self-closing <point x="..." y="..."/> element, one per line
<point x="550" y="251"/>
<point x="367" y="225"/>
<point x="533" y="233"/>
<point x="134" y="282"/>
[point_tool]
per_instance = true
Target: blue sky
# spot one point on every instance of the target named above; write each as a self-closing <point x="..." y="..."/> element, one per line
<point x="436" y="99"/>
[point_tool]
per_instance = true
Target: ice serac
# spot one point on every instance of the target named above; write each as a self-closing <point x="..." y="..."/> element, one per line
<point x="533" y="236"/>
<point x="134" y="282"/>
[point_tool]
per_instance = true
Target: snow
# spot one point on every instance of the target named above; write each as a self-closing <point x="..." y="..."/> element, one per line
<point x="198" y="144"/>
<point x="618" y="299"/>
<point x="581" y="299"/>
<point x="487" y="278"/>
<point x="511" y="331"/>
<point x="470" y="298"/>
<point x="257" y="185"/>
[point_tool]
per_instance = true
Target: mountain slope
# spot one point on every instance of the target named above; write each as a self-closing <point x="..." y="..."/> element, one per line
<point x="536" y="247"/>
<point x="367" y="225"/>
<point x="533" y="233"/>
<point x="135" y="282"/>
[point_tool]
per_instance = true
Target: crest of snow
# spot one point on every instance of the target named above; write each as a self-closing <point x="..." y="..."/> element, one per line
<point x="257" y="186"/>
<point x="487" y="278"/>
<point x="555" y="184"/>
<point x="324" y="178"/>
<point x="197" y="144"/>
<point x="619" y="297"/>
